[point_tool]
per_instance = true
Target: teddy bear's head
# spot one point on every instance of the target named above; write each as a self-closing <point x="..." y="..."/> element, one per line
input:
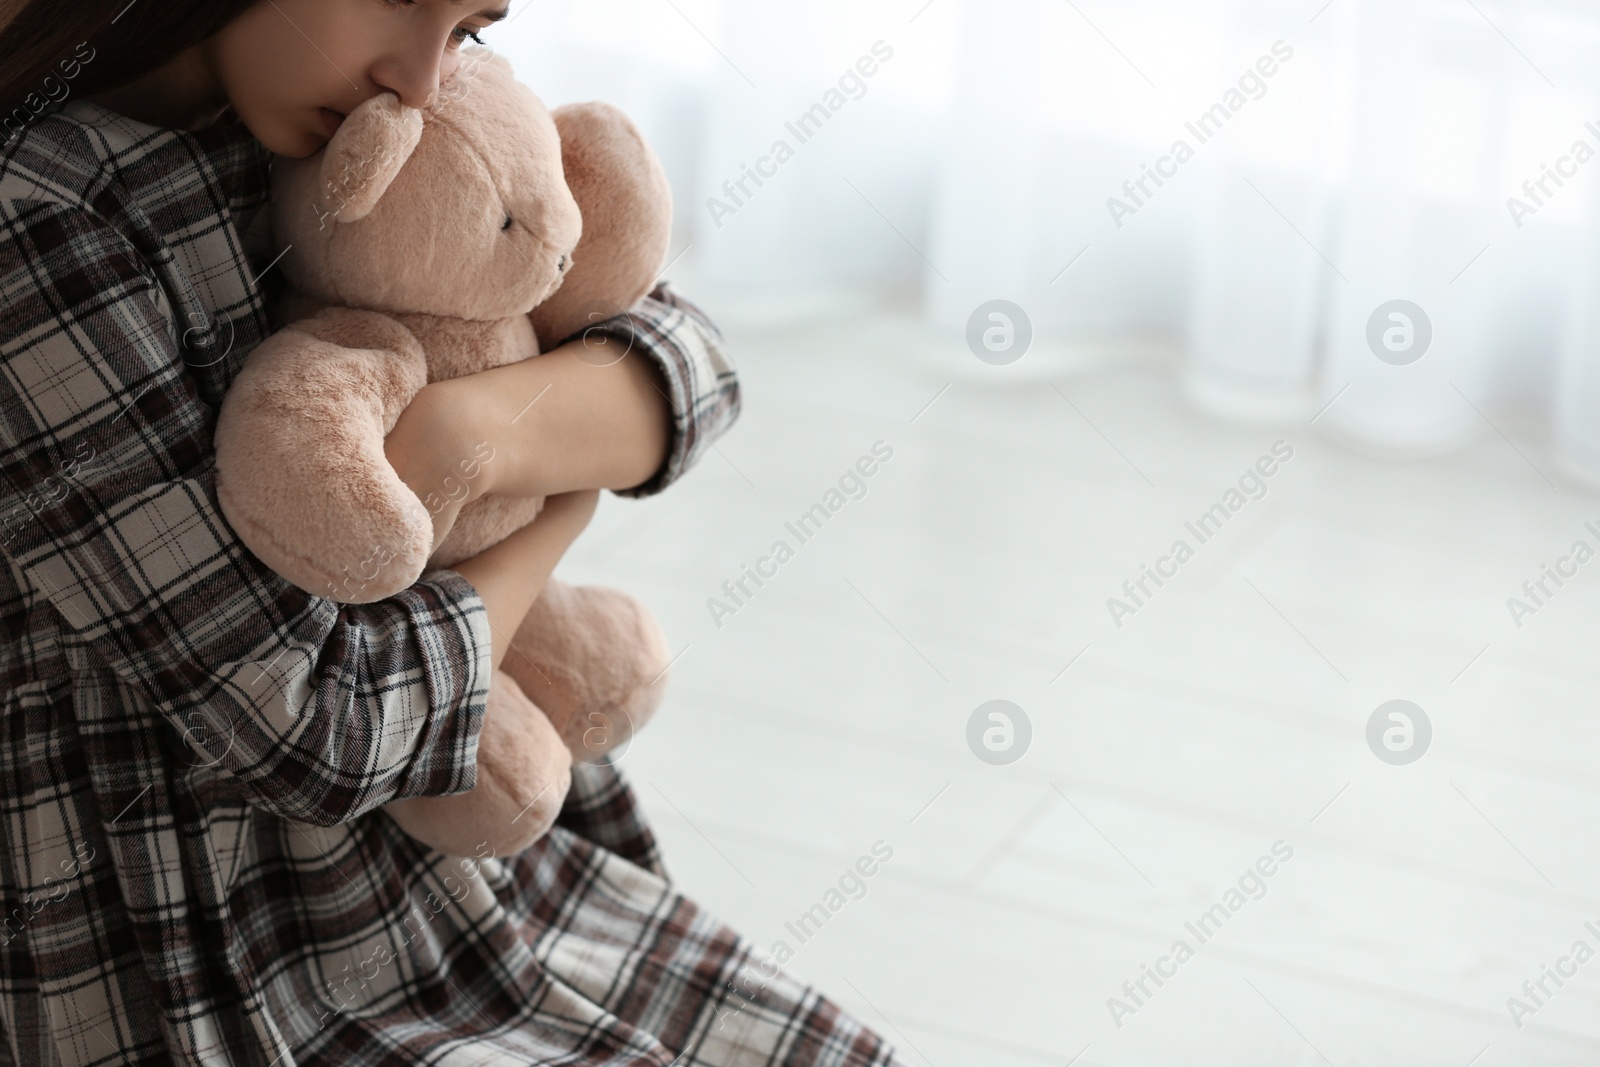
<point x="459" y="209"/>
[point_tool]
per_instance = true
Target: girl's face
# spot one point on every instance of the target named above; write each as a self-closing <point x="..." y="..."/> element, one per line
<point x="293" y="69"/>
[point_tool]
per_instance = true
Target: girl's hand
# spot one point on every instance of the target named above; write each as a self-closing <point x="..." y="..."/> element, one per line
<point x="577" y="417"/>
<point x="443" y="455"/>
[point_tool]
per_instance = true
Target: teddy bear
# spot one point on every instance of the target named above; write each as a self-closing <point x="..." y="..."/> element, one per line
<point x="426" y="244"/>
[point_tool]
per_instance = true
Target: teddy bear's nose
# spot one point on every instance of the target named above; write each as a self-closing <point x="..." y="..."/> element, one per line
<point x="562" y="266"/>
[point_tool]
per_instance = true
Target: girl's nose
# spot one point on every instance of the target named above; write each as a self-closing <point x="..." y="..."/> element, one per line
<point x="412" y="76"/>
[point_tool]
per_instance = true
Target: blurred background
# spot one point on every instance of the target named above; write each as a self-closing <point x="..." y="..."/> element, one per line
<point x="1071" y="278"/>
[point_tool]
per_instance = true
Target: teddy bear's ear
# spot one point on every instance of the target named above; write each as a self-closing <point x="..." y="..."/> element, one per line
<point x="366" y="153"/>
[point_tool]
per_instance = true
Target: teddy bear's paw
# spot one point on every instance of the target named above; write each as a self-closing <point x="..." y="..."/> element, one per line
<point x="301" y="473"/>
<point x="596" y="660"/>
<point x="524" y="773"/>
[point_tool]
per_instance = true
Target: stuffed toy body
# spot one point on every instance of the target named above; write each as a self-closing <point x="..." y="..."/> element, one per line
<point x="425" y="245"/>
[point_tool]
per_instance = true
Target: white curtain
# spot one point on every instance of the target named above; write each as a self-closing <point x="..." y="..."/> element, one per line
<point x="1342" y="156"/>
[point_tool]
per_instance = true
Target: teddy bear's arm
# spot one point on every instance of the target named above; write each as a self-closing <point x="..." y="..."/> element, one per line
<point x="301" y="473"/>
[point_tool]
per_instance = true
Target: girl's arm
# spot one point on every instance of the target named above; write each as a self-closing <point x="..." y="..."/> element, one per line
<point x="629" y="406"/>
<point x="110" y="522"/>
<point x="567" y="421"/>
<point x="510" y="576"/>
<point x="577" y="418"/>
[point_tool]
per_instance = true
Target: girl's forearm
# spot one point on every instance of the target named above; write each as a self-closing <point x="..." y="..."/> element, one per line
<point x="510" y="576"/>
<point x="575" y="418"/>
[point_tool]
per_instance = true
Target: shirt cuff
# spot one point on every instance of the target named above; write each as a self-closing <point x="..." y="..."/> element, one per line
<point x="457" y="656"/>
<point x="702" y="383"/>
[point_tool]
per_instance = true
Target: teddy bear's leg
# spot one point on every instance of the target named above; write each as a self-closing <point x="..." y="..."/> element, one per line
<point x="595" y="660"/>
<point x="524" y="772"/>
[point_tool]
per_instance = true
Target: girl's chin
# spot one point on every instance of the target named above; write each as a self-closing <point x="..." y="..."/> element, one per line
<point x="295" y="140"/>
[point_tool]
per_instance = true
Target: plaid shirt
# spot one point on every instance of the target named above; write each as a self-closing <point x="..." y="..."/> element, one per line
<point x="192" y="866"/>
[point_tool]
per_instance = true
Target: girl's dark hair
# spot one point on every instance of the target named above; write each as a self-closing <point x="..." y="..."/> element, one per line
<point x="53" y="50"/>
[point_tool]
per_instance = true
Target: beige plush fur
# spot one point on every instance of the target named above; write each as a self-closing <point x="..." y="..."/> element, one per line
<point x="425" y="245"/>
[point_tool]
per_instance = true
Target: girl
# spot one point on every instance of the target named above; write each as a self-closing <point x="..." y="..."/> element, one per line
<point x="192" y="866"/>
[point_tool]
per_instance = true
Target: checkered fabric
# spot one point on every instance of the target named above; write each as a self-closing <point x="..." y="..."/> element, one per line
<point x="192" y="866"/>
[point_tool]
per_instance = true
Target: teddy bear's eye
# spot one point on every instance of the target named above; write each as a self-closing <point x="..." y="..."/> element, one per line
<point x="562" y="266"/>
<point x="506" y="225"/>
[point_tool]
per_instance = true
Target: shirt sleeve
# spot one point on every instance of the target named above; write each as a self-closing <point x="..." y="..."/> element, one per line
<point x="109" y="514"/>
<point x="702" y="382"/>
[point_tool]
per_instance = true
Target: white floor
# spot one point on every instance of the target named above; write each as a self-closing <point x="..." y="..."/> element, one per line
<point x="1230" y="713"/>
